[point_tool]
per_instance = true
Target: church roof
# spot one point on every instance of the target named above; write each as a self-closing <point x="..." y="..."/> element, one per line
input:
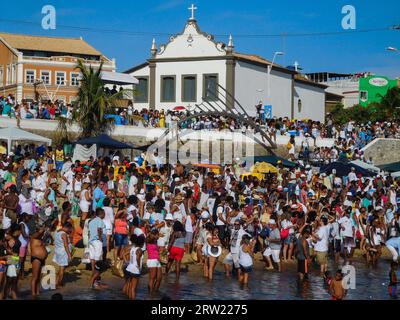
<point x="253" y="58"/>
<point x="49" y="44"/>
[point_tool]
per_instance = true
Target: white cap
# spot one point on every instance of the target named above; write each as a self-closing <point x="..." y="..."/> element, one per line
<point x="349" y="194"/>
<point x="205" y="215"/>
<point x="177" y="179"/>
<point x="272" y="221"/>
<point x="115" y="158"/>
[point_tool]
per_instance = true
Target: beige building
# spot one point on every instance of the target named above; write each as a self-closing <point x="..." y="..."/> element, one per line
<point x="44" y="68"/>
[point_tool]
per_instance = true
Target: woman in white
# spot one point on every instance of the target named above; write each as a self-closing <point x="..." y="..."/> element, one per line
<point x="85" y="200"/>
<point x="134" y="257"/>
<point x="165" y="232"/>
<point x="38" y="186"/>
<point x="246" y="258"/>
<point x="62" y="250"/>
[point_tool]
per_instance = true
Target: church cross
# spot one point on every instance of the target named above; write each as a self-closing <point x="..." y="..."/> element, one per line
<point x="192" y="8"/>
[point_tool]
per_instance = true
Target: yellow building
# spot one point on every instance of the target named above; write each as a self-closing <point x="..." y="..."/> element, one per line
<point x="44" y="68"/>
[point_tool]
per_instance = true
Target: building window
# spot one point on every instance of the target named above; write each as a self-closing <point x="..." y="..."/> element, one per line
<point x="1" y="76"/>
<point x="189" y="84"/>
<point x="168" y="89"/>
<point x="60" y="78"/>
<point x="142" y="89"/>
<point x="45" y="77"/>
<point x="363" y="96"/>
<point x="8" y="74"/>
<point x="210" y="87"/>
<point x="30" y="76"/>
<point x="75" y="79"/>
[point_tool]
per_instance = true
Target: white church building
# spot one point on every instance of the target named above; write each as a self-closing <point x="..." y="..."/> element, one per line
<point x="186" y="71"/>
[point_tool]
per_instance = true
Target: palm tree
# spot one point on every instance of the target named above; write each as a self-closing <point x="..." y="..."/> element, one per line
<point x="93" y="103"/>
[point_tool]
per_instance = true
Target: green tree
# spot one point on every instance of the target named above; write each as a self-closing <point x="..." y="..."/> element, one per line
<point x="390" y="103"/>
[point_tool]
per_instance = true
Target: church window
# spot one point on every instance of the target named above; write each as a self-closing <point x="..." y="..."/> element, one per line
<point x="210" y="87"/>
<point x="189" y="88"/>
<point x="168" y="89"/>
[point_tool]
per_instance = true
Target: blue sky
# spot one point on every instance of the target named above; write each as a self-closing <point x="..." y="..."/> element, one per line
<point x="349" y="52"/>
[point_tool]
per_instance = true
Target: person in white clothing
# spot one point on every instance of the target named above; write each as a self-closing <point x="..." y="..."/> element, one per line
<point x="321" y="244"/>
<point x="134" y="258"/>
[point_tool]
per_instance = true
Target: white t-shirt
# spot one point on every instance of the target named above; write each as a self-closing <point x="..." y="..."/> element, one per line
<point x="220" y="210"/>
<point x="348" y="226"/>
<point x="178" y="215"/>
<point x="132" y="184"/>
<point x="109" y="215"/>
<point x="69" y="175"/>
<point x="25" y="204"/>
<point x="188" y="224"/>
<point x="322" y="244"/>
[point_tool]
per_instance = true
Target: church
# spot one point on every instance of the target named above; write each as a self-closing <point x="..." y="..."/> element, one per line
<point x="193" y="67"/>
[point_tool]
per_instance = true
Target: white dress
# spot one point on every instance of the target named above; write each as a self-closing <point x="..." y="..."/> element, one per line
<point x="83" y="203"/>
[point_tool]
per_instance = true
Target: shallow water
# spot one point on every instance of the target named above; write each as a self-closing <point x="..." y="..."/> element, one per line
<point x="371" y="283"/>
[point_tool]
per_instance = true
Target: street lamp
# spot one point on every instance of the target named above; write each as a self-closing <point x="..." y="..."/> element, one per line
<point x="277" y="53"/>
<point x="393" y="49"/>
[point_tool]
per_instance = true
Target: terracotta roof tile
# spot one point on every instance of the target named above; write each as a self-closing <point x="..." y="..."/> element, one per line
<point x="50" y="44"/>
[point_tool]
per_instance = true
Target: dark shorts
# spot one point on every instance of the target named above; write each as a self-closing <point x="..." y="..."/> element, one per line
<point x="42" y="261"/>
<point x="246" y="269"/>
<point x="130" y="275"/>
<point x="302" y="266"/>
<point x="121" y="240"/>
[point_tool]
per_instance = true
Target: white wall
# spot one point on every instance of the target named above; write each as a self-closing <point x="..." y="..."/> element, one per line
<point x="313" y="102"/>
<point x="250" y="78"/>
<point x="178" y="69"/>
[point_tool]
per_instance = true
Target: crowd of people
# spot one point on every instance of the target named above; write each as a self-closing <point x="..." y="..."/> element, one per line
<point x="115" y="213"/>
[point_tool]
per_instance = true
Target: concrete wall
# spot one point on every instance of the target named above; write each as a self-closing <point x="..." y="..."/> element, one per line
<point x="251" y="86"/>
<point x="383" y="151"/>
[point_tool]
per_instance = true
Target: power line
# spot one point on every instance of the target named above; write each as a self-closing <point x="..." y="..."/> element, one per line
<point x="147" y="33"/>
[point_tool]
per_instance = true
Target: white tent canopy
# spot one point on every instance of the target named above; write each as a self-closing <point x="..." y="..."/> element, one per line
<point x="118" y="78"/>
<point x="366" y="166"/>
<point x="15" y="134"/>
<point x="395" y="174"/>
